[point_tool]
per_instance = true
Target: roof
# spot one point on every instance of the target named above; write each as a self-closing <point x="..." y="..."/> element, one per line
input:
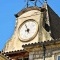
<point x="54" y="23"/>
<point x="45" y="43"/>
<point x="16" y="54"/>
<point x="27" y="9"/>
<point x="4" y="56"/>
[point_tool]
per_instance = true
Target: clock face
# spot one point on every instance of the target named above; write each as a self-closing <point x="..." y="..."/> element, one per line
<point x="28" y="30"/>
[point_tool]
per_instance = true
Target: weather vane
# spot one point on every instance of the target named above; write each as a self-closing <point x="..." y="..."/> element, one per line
<point x="45" y="0"/>
<point x="35" y="2"/>
<point x="32" y="0"/>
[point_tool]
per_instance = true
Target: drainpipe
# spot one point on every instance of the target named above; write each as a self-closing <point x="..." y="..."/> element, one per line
<point x="44" y="51"/>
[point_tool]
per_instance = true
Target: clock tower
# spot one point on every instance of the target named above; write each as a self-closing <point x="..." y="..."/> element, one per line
<point x="32" y="25"/>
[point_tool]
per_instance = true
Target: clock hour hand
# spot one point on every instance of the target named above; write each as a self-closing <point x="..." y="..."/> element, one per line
<point x="28" y="30"/>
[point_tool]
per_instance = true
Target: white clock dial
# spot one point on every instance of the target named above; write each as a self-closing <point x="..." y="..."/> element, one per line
<point x="28" y="30"/>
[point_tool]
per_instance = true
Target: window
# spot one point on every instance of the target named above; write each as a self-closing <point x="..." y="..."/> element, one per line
<point x="19" y="59"/>
<point x="22" y="59"/>
<point x="25" y="59"/>
<point x="58" y="57"/>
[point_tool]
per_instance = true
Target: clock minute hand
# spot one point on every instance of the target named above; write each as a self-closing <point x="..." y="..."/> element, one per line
<point x="27" y="28"/>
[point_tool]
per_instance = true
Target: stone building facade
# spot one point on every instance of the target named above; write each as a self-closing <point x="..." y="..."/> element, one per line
<point x="36" y="35"/>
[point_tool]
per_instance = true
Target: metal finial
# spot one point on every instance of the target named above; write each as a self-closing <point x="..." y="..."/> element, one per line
<point x="45" y="0"/>
<point x="32" y="0"/>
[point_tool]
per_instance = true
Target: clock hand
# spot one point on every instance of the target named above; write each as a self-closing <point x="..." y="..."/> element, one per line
<point x="26" y="26"/>
<point x="27" y="29"/>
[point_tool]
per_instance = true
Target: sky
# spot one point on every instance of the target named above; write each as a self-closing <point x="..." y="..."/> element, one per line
<point x="8" y="8"/>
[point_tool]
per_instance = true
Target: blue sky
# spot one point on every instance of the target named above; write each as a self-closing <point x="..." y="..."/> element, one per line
<point x="7" y="19"/>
